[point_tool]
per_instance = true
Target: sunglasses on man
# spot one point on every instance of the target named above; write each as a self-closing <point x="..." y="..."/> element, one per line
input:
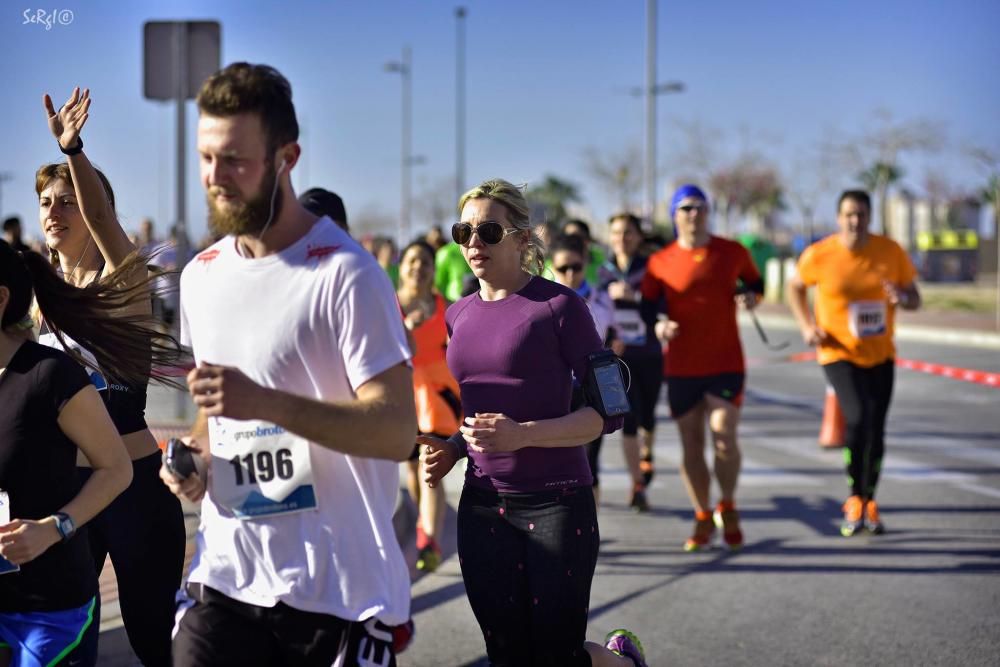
<point x="687" y="208"/>
<point x="490" y="233"/>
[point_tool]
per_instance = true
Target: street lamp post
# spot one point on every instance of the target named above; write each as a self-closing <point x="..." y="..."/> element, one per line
<point x="404" y="68"/>
<point x="649" y="168"/>
<point x="650" y="92"/>
<point x="459" y="102"/>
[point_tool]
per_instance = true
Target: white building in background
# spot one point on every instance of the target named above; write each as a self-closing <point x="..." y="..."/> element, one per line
<point x="910" y="215"/>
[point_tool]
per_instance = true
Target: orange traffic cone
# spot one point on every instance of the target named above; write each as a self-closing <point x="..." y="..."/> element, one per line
<point x="831" y="433"/>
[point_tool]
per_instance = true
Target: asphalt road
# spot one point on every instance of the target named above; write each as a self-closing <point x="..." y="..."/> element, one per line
<point x="925" y="593"/>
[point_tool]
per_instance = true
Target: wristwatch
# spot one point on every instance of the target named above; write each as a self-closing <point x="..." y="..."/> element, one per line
<point x="65" y="525"/>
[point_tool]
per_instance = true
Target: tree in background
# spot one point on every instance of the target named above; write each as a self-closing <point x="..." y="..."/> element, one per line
<point x="551" y="196"/>
<point x="749" y="187"/>
<point x="618" y="174"/>
<point x="876" y="153"/>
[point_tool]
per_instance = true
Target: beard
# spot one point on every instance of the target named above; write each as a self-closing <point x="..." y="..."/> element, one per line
<point x="245" y="217"/>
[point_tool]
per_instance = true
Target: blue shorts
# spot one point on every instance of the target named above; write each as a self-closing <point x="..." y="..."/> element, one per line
<point x="43" y="638"/>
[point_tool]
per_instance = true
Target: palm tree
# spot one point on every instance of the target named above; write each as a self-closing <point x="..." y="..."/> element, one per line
<point x="877" y="178"/>
<point x="553" y="194"/>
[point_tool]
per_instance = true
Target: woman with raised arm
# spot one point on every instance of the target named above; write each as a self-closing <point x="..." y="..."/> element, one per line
<point x="48" y="411"/>
<point x="143" y="530"/>
<point x="527" y="523"/>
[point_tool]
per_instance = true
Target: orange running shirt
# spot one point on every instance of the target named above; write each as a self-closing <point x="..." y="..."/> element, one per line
<point x="699" y="285"/>
<point x="432" y="380"/>
<point x="850" y="301"/>
<point x="431" y="337"/>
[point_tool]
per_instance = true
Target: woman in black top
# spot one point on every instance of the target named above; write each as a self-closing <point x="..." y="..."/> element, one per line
<point x="48" y="410"/>
<point x="143" y="530"/>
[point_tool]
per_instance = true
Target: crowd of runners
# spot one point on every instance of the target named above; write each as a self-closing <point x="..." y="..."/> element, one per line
<point x="317" y="365"/>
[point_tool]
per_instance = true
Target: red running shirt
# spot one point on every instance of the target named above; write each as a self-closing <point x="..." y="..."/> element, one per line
<point x="699" y="285"/>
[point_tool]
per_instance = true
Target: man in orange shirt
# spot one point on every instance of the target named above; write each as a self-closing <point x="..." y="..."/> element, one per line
<point x="860" y="279"/>
<point x="696" y="276"/>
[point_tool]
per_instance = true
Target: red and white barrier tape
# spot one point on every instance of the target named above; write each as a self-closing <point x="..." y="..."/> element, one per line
<point x="984" y="378"/>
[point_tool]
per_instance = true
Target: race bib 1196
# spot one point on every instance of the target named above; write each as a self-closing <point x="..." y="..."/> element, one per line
<point x="259" y="469"/>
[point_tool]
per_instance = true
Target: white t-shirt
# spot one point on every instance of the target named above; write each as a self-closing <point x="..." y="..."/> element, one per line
<point x="318" y="320"/>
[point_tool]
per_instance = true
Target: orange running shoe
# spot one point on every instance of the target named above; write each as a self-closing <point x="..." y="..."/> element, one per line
<point x="704" y="529"/>
<point x="646" y="465"/>
<point x="873" y="522"/>
<point x="728" y="519"/>
<point x="854" y="510"/>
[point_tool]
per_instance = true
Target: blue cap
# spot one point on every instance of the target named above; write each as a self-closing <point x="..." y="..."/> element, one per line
<point x="682" y="193"/>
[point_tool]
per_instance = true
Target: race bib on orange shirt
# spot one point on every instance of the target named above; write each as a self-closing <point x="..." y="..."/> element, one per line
<point x="867" y="318"/>
<point x="259" y="469"/>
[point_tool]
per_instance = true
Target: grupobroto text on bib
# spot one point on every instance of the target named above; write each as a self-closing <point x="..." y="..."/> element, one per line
<point x="259" y="469"/>
<point x="868" y="318"/>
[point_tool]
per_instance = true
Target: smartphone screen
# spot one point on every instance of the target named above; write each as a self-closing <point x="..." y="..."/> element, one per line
<point x="609" y="383"/>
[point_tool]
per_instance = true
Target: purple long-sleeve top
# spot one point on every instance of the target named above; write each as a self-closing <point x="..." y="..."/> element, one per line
<point x="518" y="356"/>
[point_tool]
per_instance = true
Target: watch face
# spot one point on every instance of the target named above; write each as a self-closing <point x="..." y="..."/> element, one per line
<point x="66" y="526"/>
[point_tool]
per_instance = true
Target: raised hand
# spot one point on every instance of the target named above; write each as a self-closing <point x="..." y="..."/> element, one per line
<point x="66" y="123"/>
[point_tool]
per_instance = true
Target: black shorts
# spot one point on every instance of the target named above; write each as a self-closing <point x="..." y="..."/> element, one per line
<point x="213" y="629"/>
<point x="684" y="393"/>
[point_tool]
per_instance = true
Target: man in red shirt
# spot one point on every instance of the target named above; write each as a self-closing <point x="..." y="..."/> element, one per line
<point x="696" y="278"/>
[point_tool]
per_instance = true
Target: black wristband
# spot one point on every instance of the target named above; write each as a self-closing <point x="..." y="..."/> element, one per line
<point x="76" y="150"/>
<point x="459" y="443"/>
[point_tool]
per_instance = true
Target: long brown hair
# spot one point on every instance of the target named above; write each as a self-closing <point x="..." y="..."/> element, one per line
<point x="130" y="349"/>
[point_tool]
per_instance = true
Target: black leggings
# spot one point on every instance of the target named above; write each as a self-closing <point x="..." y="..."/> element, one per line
<point x="864" y="395"/>
<point x="528" y="561"/>
<point x="143" y="530"/>
<point x="646" y="374"/>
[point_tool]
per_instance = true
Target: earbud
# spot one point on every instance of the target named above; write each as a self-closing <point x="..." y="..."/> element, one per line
<point x="282" y="165"/>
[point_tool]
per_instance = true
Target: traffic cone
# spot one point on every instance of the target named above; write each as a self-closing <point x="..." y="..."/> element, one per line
<point x="831" y="432"/>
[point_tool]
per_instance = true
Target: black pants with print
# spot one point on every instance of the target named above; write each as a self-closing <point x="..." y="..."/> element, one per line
<point x="528" y="560"/>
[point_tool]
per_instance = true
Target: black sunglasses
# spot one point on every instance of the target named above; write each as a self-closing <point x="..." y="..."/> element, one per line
<point x="576" y="268"/>
<point x="489" y="233"/>
<point x="687" y="208"/>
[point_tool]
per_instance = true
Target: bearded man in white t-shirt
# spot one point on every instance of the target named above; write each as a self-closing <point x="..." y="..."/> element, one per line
<point x="305" y="405"/>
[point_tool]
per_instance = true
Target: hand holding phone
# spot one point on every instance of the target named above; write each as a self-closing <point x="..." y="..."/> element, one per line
<point x="179" y="459"/>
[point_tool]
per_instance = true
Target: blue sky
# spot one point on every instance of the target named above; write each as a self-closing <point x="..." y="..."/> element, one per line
<point x="545" y="82"/>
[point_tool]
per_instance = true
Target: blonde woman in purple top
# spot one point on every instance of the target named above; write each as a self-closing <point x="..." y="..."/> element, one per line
<point x="527" y="524"/>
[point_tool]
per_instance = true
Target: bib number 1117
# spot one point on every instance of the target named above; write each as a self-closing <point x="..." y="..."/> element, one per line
<point x="262" y="466"/>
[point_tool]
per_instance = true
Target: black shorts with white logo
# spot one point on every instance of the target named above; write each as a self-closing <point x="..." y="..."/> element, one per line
<point x="213" y="629"/>
<point x="684" y="393"/>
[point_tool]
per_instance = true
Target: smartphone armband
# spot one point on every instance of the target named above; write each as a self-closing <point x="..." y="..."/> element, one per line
<point x="604" y="387"/>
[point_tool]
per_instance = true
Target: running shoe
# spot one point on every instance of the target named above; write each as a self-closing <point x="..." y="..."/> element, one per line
<point x="728" y="520"/>
<point x="402" y="636"/>
<point x="429" y="557"/>
<point x="639" y="502"/>
<point x="627" y="645"/>
<point x="646" y="465"/>
<point x="704" y="528"/>
<point x="854" y="510"/>
<point x="873" y="522"/>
